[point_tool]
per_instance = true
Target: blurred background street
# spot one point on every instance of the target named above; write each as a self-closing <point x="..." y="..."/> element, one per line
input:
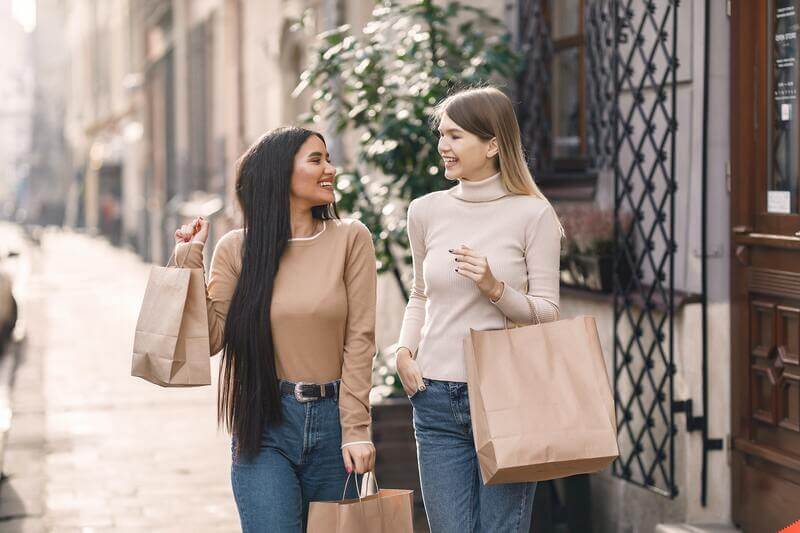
<point x="91" y="447"/>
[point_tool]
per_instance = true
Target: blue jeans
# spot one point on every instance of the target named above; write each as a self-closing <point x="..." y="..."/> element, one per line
<point x="300" y="461"/>
<point x="456" y="500"/>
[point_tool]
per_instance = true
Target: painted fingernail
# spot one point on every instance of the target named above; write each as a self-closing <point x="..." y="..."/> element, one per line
<point x="456" y="270"/>
<point x="451" y="251"/>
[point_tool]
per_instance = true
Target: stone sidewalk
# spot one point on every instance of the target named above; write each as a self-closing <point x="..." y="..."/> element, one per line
<point x="90" y="448"/>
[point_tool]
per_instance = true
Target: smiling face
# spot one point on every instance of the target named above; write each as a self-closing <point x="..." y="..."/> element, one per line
<point x="313" y="175"/>
<point x="466" y="156"/>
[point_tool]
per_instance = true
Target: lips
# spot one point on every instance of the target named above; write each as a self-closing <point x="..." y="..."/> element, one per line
<point x="326" y="184"/>
<point x="449" y="161"/>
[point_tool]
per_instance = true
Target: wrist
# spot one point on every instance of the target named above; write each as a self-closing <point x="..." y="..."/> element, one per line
<point x="497" y="291"/>
<point x="402" y="353"/>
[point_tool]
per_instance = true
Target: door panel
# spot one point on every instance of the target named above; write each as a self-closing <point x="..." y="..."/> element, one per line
<point x="765" y="264"/>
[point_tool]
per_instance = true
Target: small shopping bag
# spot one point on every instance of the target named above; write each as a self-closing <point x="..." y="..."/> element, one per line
<point x="171" y="345"/>
<point x="386" y="511"/>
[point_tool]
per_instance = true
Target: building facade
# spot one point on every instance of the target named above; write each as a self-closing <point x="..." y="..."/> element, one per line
<point x="676" y="119"/>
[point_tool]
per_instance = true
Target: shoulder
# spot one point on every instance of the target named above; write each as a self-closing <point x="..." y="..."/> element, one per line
<point x="538" y="217"/>
<point x="531" y="209"/>
<point x="350" y="228"/>
<point x="229" y="245"/>
<point x="420" y="206"/>
<point x="429" y="199"/>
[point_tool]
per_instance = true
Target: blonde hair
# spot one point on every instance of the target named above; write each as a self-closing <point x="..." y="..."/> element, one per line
<point x="488" y="113"/>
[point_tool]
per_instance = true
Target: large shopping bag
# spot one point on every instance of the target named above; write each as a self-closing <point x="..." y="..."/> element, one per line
<point x="386" y="511"/>
<point x="171" y="346"/>
<point x="540" y="401"/>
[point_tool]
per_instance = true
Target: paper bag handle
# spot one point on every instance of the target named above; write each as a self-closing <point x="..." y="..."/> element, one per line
<point x="355" y="474"/>
<point x="174" y="255"/>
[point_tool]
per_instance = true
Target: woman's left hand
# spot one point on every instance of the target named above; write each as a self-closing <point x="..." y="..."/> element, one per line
<point x="359" y="458"/>
<point x="475" y="266"/>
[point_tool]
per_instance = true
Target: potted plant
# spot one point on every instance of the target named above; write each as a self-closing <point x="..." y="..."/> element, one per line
<point x="588" y="259"/>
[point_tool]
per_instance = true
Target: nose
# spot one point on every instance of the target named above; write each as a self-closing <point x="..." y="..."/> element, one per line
<point x="330" y="170"/>
<point x="443" y="146"/>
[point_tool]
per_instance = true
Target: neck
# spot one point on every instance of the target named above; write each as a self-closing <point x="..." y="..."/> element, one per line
<point x="303" y="224"/>
<point x="482" y="174"/>
<point x="486" y="190"/>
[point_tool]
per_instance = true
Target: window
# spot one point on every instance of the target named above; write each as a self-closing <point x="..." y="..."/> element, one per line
<point x="566" y="103"/>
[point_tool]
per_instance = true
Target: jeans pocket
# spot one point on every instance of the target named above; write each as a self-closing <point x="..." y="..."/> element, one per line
<point x="427" y="384"/>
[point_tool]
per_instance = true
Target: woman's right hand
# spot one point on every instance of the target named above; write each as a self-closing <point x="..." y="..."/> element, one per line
<point x="197" y="231"/>
<point x="409" y="372"/>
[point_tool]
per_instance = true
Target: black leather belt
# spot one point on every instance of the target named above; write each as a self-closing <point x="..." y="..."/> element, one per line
<point x="308" y="392"/>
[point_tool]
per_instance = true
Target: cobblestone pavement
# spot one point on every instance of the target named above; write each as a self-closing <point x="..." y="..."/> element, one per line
<point x="90" y="448"/>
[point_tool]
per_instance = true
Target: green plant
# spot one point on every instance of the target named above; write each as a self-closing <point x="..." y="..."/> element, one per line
<point x="383" y="86"/>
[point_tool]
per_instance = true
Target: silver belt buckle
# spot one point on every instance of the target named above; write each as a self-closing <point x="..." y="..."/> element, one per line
<point x="298" y="393"/>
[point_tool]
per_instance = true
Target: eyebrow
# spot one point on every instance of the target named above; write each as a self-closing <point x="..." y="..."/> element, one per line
<point x="318" y="154"/>
<point x="449" y="129"/>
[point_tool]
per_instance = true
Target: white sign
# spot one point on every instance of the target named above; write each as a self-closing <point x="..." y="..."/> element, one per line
<point x="779" y="202"/>
<point x="786" y="112"/>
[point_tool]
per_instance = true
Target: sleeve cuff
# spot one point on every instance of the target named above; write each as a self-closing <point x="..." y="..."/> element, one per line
<point x="514" y="305"/>
<point x="358" y="442"/>
<point x="501" y="294"/>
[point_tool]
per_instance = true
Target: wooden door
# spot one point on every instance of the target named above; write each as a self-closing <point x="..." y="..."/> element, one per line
<point x="765" y="263"/>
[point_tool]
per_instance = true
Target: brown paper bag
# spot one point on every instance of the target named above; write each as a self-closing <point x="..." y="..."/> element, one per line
<point x="171" y="346"/>
<point x="387" y="511"/>
<point x="540" y="401"/>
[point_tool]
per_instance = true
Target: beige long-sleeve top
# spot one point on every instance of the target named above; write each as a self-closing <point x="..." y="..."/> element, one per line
<point x="521" y="238"/>
<point x="322" y="313"/>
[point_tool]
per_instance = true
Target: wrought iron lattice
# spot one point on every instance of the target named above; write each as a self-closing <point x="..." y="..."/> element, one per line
<point x="534" y="82"/>
<point x="644" y="130"/>
<point x="630" y="72"/>
<point x="600" y="43"/>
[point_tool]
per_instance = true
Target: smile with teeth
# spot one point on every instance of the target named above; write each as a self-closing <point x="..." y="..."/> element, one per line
<point x="449" y="160"/>
<point x="326" y="184"/>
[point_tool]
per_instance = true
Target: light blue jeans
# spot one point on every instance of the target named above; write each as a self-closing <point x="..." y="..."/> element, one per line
<point x="300" y="461"/>
<point x="456" y="500"/>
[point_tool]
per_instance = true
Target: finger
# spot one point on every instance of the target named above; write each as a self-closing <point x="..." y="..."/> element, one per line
<point x="348" y="461"/>
<point x="468" y="274"/>
<point x="477" y="269"/>
<point x="359" y="463"/>
<point x="420" y="382"/>
<point x="461" y="258"/>
<point x="465" y="250"/>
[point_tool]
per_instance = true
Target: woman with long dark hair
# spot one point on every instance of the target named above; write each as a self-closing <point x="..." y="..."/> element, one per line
<point x="291" y="304"/>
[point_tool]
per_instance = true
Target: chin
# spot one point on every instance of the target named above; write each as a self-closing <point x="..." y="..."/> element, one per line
<point x="325" y="201"/>
<point x="450" y="175"/>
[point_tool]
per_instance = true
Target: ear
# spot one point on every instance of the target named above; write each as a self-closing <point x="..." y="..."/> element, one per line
<point x="493" y="149"/>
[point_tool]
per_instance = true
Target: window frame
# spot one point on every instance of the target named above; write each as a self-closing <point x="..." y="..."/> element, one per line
<point x="560" y="45"/>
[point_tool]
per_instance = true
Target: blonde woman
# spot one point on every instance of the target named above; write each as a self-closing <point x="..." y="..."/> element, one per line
<point x="483" y="251"/>
<point x="291" y="302"/>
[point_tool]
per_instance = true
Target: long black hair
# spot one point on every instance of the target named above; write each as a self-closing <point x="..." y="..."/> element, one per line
<point x="249" y="397"/>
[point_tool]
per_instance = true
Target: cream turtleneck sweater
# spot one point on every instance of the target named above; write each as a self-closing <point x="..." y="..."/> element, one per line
<point x="521" y="238"/>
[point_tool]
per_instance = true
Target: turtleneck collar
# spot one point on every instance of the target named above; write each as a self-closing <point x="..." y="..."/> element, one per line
<point x="485" y="190"/>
